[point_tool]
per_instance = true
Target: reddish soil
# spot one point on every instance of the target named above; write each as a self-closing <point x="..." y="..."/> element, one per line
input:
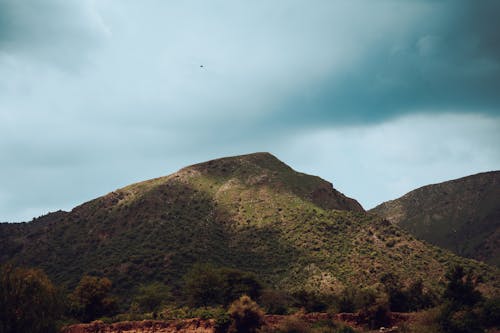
<point x="197" y="325"/>
<point x="145" y="326"/>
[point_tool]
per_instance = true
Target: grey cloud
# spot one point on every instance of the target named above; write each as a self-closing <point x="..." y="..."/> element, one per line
<point x="449" y="62"/>
<point x="58" y="32"/>
<point x="97" y="94"/>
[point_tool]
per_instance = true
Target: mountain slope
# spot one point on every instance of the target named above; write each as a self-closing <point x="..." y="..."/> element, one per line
<point x="461" y="215"/>
<point x="250" y="212"/>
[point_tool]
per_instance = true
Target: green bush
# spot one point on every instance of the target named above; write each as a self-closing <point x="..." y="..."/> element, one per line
<point x="169" y="313"/>
<point x="208" y="312"/>
<point x="222" y="321"/>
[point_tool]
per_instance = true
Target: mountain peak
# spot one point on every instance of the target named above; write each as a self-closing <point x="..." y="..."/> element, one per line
<point x="263" y="169"/>
<point x="260" y="160"/>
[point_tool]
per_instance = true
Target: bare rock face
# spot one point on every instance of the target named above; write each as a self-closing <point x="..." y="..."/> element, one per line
<point x="146" y="326"/>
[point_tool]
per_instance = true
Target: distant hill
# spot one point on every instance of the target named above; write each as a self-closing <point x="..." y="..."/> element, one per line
<point x="251" y="212"/>
<point x="462" y="215"/>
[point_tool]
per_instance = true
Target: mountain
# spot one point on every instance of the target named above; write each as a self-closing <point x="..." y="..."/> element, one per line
<point x="462" y="215"/>
<point x="251" y="212"/>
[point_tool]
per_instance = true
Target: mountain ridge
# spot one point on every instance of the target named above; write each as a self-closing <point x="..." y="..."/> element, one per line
<point x="250" y="212"/>
<point x="462" y="215"/>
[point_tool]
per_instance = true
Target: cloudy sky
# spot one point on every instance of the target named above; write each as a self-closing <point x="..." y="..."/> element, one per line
<point x="378" y="97"/>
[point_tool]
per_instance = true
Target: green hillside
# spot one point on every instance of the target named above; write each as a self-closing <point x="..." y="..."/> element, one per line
<point x="251" y="212"/>
<point x="461" y="215"/>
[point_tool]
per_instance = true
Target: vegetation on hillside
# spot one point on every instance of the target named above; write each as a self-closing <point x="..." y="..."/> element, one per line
<point x="206" y="235"/>
<point x="461" y="215"/>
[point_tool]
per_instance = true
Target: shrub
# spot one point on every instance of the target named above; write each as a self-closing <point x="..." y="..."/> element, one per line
<point x="169" y="313"/>
<point x="345" y="329"/>
<point x="459" y="321"/>
<point x="312" y="302"/>
<point x="417" y="298"/>
<point x="222" y="321"/>
<point x="246" y="315"/>
<point x="294" y="324"/>
<point x="275" y="302"/>
<point x="208" y="312"/>
<point x="347" y="300"/>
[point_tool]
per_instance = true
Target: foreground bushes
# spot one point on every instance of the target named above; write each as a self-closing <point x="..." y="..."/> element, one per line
<point x="409" y="299"/>
<point x="464" y="309"/>
<point x="294" y="324"/>
<point x="29" y="302"/>
<point x="92" y="299"/>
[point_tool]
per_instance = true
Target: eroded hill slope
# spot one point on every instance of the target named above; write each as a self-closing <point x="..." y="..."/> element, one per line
<point x="252" y="212"/>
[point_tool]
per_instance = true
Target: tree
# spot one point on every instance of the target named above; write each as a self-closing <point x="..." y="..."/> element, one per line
<point x="91" y="298"/>
<point x="402" y="299"/>
<point x="237" y="283"/>
<point x="205" y="285"/>
<point x="28" y="301"/>
<point x="152" y="296"/>
<point x="417" y="298"/>
<point x="458" y="314"/>
<point x="398" y="298"/>
<point x="460" y="290"/>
